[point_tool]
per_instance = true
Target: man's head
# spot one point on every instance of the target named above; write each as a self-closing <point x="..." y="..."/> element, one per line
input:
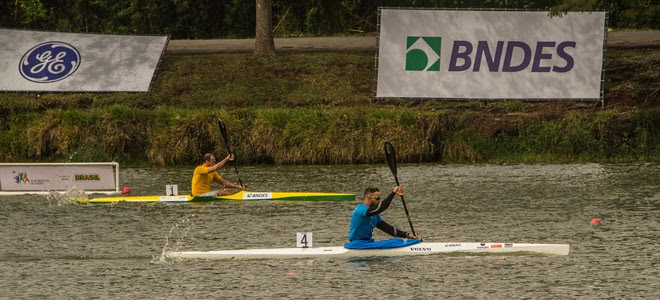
<point x="209" y="159"/>
<point x="371" y="196"/>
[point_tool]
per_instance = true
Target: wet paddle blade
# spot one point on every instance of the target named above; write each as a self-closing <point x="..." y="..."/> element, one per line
<point x="390" y="156"/>
<point x="223" y="131"/>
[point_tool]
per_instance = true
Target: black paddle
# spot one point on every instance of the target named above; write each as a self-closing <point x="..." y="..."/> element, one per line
<point x="223" y="130"/>
<point x="390" y="156"/>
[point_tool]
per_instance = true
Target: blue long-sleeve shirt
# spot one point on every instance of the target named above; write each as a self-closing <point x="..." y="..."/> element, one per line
<point x="365" y="218"/>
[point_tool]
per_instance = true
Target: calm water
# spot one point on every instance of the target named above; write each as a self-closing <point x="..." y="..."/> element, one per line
<point x="51" y="250"/>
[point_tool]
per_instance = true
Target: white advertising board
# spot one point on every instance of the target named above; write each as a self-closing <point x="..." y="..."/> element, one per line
<point x="41" y="61"/>
<point x="16" y="177"/>
<point x="490" y="55"/>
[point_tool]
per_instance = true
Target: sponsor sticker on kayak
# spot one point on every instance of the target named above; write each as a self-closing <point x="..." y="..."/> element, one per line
<point x="257" y="196"/>
<point x="172" y="198"/>
<point x="420" y="249"/>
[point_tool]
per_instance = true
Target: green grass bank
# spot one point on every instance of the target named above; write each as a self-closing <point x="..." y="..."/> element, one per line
<point x="316" y="108"/>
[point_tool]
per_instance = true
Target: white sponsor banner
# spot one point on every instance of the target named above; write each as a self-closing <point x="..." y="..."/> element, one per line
<point x="46" y="177"/>
<point x="489" y="55"/>
<point x="70" y="62"/>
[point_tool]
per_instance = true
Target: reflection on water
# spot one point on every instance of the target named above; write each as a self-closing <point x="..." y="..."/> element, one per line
<point x="113" y="251"/>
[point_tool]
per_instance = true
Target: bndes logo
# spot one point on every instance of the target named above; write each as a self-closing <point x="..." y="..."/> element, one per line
<point x="502" y="56"/>
<point x="423" y="54"/>
<point x="256" y="196"/>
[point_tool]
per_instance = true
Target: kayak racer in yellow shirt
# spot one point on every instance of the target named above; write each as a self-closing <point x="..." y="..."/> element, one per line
<point x="206" y="173"/>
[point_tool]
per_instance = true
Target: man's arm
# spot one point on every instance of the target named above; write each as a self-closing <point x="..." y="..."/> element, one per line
<point x="391" y="230"/>
<point x="227" y="184"/>
<point x="221" y="163"/>
<point x="381" y="207"/>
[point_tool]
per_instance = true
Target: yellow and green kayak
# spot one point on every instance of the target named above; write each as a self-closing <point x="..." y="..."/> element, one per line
<point x="241" y="196"/>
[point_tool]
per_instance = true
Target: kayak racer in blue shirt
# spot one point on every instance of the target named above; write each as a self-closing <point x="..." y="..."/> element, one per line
<point x="366" y="217"/>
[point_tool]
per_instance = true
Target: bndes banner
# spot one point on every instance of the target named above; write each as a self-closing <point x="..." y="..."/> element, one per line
<point x="67" y="62"/>
<point x="489" y="55"/>
<point x="56" y="177"/>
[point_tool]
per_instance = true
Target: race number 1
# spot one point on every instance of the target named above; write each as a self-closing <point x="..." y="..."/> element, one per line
<point x="171" y="189"/>
<point x="304" y="239"/>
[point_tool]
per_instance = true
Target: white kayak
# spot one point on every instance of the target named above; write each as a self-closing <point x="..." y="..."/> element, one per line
<point x="422" y="248"/>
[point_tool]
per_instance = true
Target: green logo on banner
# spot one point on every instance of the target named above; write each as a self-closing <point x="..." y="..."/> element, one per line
<point x="423" y="53"/>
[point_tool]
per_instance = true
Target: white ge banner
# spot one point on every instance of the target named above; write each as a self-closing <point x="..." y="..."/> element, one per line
<point x="40" y="61"/>
<point x="490" y="55"/>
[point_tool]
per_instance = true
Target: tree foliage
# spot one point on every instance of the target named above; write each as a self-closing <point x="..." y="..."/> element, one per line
<point x="203" y="19"/>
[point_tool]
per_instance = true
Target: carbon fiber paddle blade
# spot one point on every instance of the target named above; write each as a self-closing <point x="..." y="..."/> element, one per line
<point x="223" y="129"/>
<point x="390" y="156"/>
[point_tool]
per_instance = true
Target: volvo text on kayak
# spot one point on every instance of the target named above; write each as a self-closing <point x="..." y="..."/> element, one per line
<point x="420" y="249"/>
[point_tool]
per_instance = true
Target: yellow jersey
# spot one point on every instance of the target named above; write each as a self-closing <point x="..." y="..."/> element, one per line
<point x="201" y="180"/>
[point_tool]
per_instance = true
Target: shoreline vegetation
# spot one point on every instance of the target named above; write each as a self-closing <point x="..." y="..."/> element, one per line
<point x="317" y="108"/>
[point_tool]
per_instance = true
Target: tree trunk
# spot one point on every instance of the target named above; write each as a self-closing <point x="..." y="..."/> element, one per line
<point x="264" y="44"/>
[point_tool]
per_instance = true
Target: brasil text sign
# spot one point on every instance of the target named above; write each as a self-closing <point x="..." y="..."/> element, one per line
<point x="490" y="55"/>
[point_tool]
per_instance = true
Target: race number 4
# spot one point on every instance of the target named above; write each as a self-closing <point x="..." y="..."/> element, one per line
<point x="304" y="239"/>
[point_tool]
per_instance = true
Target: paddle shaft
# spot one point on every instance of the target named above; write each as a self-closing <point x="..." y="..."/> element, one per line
<point x="405" y="208"/>
<point x="390" y="156"/>
<point x="223" y="130"/>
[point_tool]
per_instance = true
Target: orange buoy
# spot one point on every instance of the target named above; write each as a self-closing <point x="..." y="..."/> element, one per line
<point x="595" y="221"/>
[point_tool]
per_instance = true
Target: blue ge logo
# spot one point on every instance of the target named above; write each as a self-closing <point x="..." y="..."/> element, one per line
<point x="49" y="62"/>
<point x="423" y="53"/>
